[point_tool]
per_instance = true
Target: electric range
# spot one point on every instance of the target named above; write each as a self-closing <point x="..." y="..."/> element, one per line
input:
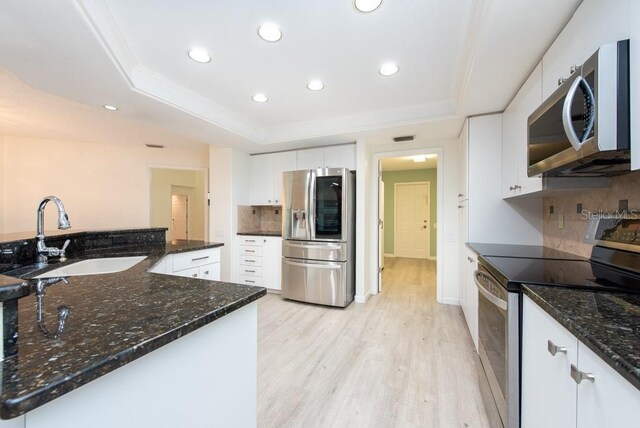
<point x="614" y="266"/>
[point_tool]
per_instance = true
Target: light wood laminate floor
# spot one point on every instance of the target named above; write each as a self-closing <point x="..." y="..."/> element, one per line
<point x="400" y="360"/>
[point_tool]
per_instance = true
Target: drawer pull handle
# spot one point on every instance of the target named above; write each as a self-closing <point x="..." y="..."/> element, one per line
<point x="250" y="240"/>
<point x="248" y="280"/>
<point x="554" y="349"/>
<point x="251" y="261"/>
<point x="251" y="271"/>
<point x="579" y="376"/>
<point x="250" y="251"/>
<point x="200" y="258"/>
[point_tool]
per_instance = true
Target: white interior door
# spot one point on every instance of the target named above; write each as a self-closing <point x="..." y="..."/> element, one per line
<point x="179" y="217"/>
<point x="411" y="201"/>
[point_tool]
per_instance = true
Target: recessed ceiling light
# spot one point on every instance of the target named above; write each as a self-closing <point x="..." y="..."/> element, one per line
<point x="270" y="32"/>
<point x="389" y="69"/>
<point x="315" y="85"/>
<point x="260" y="98"/>
<point x="110" y="108"/>
<point x="367" y="5"/>
<point x="199" y="55"/>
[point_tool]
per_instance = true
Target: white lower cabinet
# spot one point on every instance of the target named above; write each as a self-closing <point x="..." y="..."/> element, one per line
<point x="469" y="294"/>
<point x="550" y="395"/>
<point x="204" y="264"/>
<point x="260" y="261"/>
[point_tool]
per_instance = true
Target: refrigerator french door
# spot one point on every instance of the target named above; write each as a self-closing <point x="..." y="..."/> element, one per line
<point x="318" y="236"/>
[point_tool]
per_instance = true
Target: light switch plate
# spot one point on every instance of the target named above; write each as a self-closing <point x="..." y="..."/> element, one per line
<point x="560" y="221"/>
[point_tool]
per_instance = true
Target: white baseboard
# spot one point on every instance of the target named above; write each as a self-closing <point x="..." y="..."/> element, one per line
<point x="389" y="255"/>
<point x="362" y="299"/>
<point x="451" y="301"/>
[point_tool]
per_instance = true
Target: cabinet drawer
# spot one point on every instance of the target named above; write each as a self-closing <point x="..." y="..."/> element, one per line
<point x="250" y="261"/>
<point x="250" y="251"/>
<point x="251" y="240"/>
<point x="210" y="272"/>
<point x="250" y="280"/>
<point x="251" y="271"/>
<point x="195" y="258"/>
<point x="189" y="273"/>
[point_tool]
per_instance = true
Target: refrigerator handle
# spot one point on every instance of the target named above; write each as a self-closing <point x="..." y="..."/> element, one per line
<point x="311" y="206"/>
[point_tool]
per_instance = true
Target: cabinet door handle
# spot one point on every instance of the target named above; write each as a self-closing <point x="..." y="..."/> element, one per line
<point x="200" y="258"/>
<point x="195" y="275"/>
<point x="206" y="272"/>
<point x="579" y="376"/>
<point x="554" y="349"/>
<point x="512" y="188"/>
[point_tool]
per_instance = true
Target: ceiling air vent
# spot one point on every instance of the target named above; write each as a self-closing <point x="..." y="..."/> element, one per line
<point x="155" y="146"/>
<point x="403" y="138"/>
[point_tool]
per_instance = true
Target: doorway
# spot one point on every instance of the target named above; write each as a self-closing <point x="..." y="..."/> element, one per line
<point x="178" y="201"/>
<point x="407" y="207"/>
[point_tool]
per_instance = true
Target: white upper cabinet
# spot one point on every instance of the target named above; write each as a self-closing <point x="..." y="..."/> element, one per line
<point x="515" y="181"/>
<point x="266" y="176"/>
<point x="328" y="157"/>
<point x="311" y="158"/>
<point x="262" y="180"/>
<point x="340" y="156"/>
<point x="596" y="22"/>
<point x="463" y="188"/>
<point x="285" y="161"/>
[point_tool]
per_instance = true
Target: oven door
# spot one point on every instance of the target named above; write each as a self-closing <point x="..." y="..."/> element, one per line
<point x="498" y="344"/>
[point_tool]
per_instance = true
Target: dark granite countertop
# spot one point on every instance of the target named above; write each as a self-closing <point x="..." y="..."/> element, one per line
<point x="608" y="323"/>
<point x="113" y="319"/>
<point x="261" y="233"/>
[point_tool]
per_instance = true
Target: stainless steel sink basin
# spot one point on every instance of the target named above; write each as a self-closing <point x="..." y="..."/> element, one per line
<point x="94" y="266"/>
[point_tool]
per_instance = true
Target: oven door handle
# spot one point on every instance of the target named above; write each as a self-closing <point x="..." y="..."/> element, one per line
<point x="502" y="304"/>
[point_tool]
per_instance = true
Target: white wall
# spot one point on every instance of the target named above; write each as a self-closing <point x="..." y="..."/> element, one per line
<point x="447" y="225"/>
<point x="103" y="186"/>
<point x="229" y="186"/>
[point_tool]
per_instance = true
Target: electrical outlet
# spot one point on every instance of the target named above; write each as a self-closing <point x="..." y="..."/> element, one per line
<point x="560" y="221"/>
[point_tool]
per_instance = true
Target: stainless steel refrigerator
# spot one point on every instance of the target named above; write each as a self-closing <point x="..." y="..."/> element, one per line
<point x="318" y="231"/>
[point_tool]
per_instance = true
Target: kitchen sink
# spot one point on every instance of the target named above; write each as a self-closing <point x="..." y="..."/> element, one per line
<point x="94" y="266"/>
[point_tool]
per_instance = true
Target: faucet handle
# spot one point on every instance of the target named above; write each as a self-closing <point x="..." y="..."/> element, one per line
<point x="64" y="248"/>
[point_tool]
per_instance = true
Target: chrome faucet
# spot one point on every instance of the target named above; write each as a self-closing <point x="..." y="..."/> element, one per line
<point x="42" y="251"/>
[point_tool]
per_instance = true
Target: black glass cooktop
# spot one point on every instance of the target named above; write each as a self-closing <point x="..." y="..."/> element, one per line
<point x="522" y="251"/>
<point x="512" y="272"/>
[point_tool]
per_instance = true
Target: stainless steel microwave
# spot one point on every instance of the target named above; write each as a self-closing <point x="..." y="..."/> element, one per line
<point x="582" y="129"/>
